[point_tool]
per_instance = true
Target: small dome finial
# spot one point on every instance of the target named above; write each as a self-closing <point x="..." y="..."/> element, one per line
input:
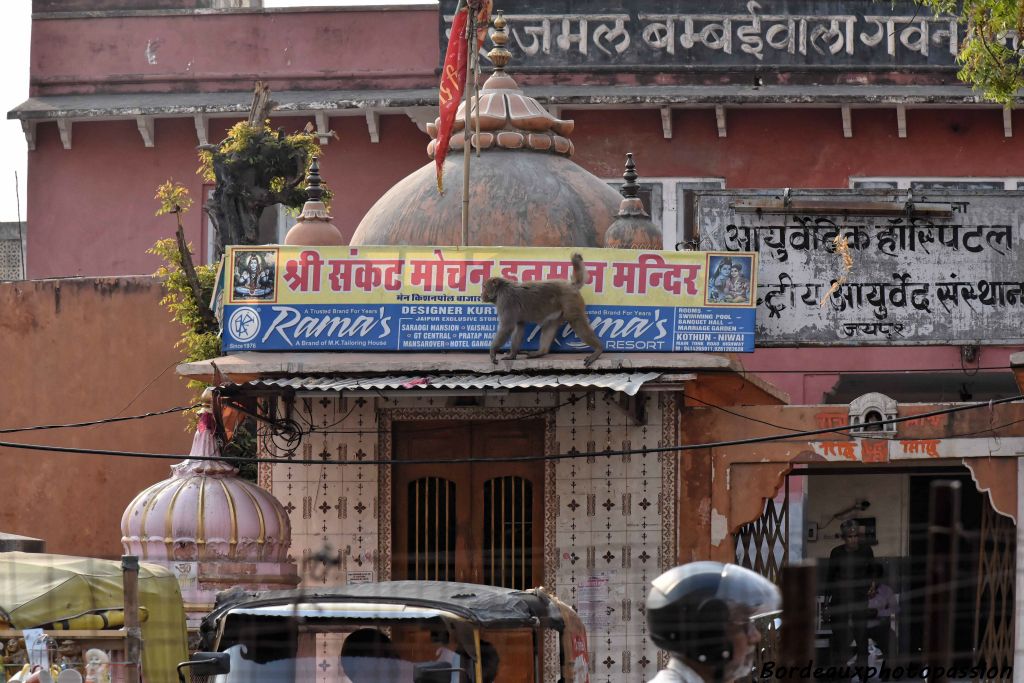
<point x="313" y="181"/>
<point x="633" y="228"/>
<point x="630" y="189"/>
<point x="499" y="54"/>
<point x="314" y="227"/>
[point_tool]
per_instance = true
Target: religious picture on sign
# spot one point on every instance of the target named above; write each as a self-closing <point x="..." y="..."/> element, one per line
<point x="729" y="279"/>
<point x="254" y="273"/>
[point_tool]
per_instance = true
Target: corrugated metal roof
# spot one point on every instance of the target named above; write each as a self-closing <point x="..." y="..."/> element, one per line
<point x="627" y="383"/>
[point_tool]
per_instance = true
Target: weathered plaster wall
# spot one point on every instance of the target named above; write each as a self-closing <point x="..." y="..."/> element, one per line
<point x="40" y="6"/>
<point x="79" y="350"/>
<point x="808" y="375"/>
<point x="101" y="219"/>
<point x="355" y="49"/>
<point x="360" y="171"/>
<point x="797" y="147"/>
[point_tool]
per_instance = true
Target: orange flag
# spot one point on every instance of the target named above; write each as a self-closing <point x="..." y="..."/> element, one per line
<point x="453" y="75"/>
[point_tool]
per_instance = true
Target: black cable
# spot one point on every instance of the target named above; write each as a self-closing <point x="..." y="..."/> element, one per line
<point x="987" y="429"/>
<point x="106" y="420"/>
<point x="771" y="424"/>
<point x="530" y="458"/>
<point x="540" y="412"/>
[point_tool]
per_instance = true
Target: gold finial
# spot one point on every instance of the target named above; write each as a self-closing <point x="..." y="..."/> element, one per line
<point x="499" y="55"/>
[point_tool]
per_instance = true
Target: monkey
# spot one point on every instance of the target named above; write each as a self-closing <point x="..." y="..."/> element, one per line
<point x="547" y="303"/>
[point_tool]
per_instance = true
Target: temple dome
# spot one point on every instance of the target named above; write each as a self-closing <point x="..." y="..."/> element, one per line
<point x="524" y="189"/>
<point x="205" y="512"/>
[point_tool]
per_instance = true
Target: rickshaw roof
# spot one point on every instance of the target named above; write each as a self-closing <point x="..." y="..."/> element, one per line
<point x="485" y="606"/>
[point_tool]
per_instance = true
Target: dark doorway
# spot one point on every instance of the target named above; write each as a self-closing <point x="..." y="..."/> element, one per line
<point x="913" y="600"/>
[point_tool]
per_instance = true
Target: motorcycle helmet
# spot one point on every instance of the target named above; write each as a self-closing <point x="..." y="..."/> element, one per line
<point x="689" y="608"/>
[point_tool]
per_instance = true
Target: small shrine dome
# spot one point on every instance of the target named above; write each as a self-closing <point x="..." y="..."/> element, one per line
<point x="633" y="228"/>
<point x="314" y="227"/>
<point x="524" y="190"/>
<point x="204" y="512"/>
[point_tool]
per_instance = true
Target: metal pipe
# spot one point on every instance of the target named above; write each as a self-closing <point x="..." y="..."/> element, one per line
<point x="133" y="638"/>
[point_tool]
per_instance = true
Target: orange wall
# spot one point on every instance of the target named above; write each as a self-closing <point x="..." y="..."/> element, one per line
<point x="77" y="350"/>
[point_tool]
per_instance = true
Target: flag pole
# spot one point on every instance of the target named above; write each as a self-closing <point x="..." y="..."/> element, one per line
<point x="471" y="50"/>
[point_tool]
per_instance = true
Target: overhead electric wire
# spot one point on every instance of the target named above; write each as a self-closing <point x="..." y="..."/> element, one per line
<point x="770" y="424"/>
<point x="106" y="420"/>
<point x="530" y="458"/>
<point x="540" y="412"/>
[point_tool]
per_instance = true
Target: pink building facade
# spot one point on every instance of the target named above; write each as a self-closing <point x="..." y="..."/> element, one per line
<point x="120" y="98"/>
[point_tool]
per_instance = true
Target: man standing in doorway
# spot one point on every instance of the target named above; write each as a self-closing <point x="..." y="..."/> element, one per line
<point x="848" y="580"/>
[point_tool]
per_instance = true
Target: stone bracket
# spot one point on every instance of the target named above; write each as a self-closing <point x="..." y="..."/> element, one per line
<point x="29" y="128"/>
<point x="901" y="120"/>
<point x="666" y="122"/>
<point x="64" y="126"/>
<point x="202" y="128"/>
<point x="147" y="129"/>
<point x="1007" y="122"/>
<point x="373" y="125"/>
<point x="323" y="127"/>
<point x="720" y="120"/>
<point x="847" y="122"/>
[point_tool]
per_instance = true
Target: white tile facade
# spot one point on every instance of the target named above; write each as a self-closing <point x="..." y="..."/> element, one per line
<point x="609" y="520"/>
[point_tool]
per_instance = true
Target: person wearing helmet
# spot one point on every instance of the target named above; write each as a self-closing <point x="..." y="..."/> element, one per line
<point x="702" y="614"/>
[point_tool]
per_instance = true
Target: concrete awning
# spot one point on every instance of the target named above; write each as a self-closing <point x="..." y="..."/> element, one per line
<point x="249" y="366"/>
<point x="357" y="102"/>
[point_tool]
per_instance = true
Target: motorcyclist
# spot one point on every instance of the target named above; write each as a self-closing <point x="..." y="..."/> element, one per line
<point x="703" y="614"/>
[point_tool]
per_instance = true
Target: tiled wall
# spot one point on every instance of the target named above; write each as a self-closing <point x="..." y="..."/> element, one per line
<point x="609" y="520"/>
<point x="332" y="503"/>
<point x="614" y="529"/>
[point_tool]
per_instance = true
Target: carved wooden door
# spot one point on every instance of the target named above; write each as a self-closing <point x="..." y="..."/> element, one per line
<point x="479" y="522"/>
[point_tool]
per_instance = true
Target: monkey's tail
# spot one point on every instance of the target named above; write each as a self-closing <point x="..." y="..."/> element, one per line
<point x="579" y="273"/>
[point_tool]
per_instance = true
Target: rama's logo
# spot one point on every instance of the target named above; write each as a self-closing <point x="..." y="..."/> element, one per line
<point x="244" y="324"/>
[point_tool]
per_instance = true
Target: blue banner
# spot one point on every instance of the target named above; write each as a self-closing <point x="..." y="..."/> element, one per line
<point x="418" y="299"/>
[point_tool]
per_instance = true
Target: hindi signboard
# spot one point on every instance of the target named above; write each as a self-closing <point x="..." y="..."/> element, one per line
<point x="568" y="35"/>
<point x="428" y="299"/>
<point x="915" y="280"/>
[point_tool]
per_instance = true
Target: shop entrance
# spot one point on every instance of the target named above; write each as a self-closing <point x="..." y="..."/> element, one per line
<point x="890" y="505"/>
<point x="477" y="522"/>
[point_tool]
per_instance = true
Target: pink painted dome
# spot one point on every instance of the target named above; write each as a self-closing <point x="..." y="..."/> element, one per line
<point x="204" y="512"/>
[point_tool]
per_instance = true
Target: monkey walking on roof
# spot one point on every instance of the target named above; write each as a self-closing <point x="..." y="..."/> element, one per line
<point x="547" y="303"/>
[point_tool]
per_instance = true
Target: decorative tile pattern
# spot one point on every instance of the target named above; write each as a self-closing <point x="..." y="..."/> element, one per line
<point x="615" y="527"/>
<point x="609" y="520"/>
<point x="330" y="503"/>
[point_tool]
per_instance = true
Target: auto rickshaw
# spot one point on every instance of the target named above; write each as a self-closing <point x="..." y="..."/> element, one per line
<point x="390" y="632"/>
